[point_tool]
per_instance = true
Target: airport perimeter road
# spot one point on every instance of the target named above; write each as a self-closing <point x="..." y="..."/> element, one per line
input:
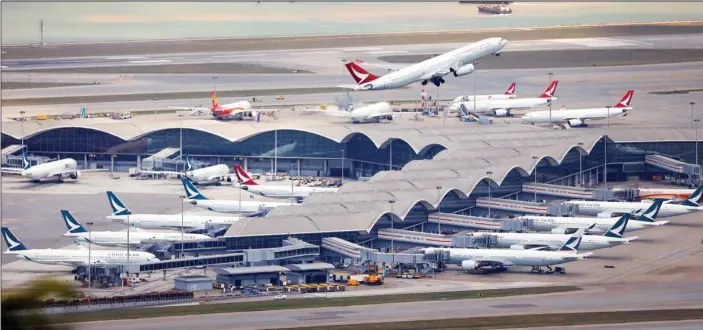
<point x="627" y="297"/>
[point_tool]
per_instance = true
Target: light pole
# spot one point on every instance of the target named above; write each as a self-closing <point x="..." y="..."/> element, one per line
<point x="392" y="220"/>
<point x="608" y="115"/>
<point x="580" y="144"/>
<point x="292" y="194"/>
<point x="390" y="154"/>
<point x="489" y="192"/>
<point x="128" y="229"/>
<point x="692" y="104"/>
<point x="475" y="88"/>
<point x="342" y="166"/>
<point x="90" y="265"/>
<point x="180" y="146"/>
<point x="155" y="99"/>
<point x="344" y="63"/>
<point x="22" y="114"/>
<point x="214" y="83"/>
<point x="182" y="223"/>
<point x="696" y="121"/>
<point x="439" y="205"/>
<point x="240" y="201"/>
<point x="605" y="161"/>
<point x="535" y="159"/>
<point x="550" y="76"/>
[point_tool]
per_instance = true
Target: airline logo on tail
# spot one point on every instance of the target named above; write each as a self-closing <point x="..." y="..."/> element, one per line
<point x="651" y="213"/>
<point x="13" y="244"/>
<point x="118" y="208"/>
<point x="243" y="177"/>
<point x="695" y="198"/>
<point x="510" y="90"/>
<point x="25" y="160"/>
<point x="618" y="228"/>
<point x="215" y="105"/>
<point x="191" y="191"/>
<point x="572" y="244"/>
<point x="360" y="75"/>
<point x="188" y="164"/>
<point x="625" y="101"/>
<point x="71" y="223"/>
<point x="550" y="91"/>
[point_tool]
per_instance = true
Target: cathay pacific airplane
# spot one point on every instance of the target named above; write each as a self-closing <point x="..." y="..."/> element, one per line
<point x="195" y="197"/>
<point x="62" y="168"/>
<point x="578" y="117"/>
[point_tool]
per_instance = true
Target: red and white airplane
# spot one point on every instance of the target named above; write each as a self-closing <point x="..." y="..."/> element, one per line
<point x="237" y="110"/>
<point x="278" y="190"/>
<point x="578" y="117"/>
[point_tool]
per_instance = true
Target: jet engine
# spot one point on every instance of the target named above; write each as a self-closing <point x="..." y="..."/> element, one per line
<point x="575" y="122"/>
<point x="75" y="175"/>
<point x="501" y="113"/>
<point x="469" y="265"/>
<point x="389" y="117"/>
<point x="464" y="70"/>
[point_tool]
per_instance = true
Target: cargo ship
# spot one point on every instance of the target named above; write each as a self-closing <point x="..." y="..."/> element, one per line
<point x="495" y="9"/>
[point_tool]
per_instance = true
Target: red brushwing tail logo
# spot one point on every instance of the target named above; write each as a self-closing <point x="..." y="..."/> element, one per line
<point x="626" y="99"/>
<point x="550" y="91"/>
<point x="243" y="177"/>
<point x="360" y="75"/>
<point x="510" y="90"/>
<point x="214" y="100"/>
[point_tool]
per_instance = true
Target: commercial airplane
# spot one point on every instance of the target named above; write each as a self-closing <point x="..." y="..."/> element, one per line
<point x="502" y="108"/>
<point x="578" y="117"/>
<point x="195" y="197"/>
<point x="365" y="114"/>
<point x="122" y="214"/>
<point x="509" y="94"/>
<point x="60" y="169"/>
<point x="612" y="237"/>
<point x="120" y="238"/>
<point x="214" y="174"/>
<point x="475" y="260"/>
<point x="458" y="62"/>
<point x="237" y="110"/>
<point x="663" y="193"/>
<point x="276" y="191"/>
<point x="608" y="209"/>
<point x="80" y="257"/>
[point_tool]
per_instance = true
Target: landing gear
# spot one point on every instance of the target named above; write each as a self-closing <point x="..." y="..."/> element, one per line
<point x="424" y="82"/>
<point x="497" y="54"/>
<point x="218" y="183"/>
<point x="60" y="178"/>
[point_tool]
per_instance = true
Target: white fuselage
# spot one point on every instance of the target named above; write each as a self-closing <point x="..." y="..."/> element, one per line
<point x="602" y="225"/>
<point x="213" y="173"/>
<point x="136" y="238"/>
<point x="167" y="221"/>
<point x="372" y="112"/>
<point x="285" y="191"/>
<point x="554" y="241"/>
<point x="437" y="66"/>
<point x="229" y="206"/>
<point x="65" y="166"/>
<point x="81" y="257"/>
<point x="503" y="107"/>
<point x="662" y="193"/>
<point x="595" y="208"/>
<point x="512" y="257"/>
<point x="558" y="116"/>
<point x="470" y="98"/>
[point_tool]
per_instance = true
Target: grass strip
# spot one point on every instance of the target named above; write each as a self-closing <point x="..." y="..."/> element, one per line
<point x="528" y="321"/>
<point x="251" y="306"/>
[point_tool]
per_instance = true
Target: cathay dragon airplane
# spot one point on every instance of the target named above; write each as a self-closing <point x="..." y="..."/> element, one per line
<point x="238" y="110"/>
<point x="276" y="191"/>
<point x="509" y="94"/>
<point x="502" y="108"/>
<point x="80" y="257"/>
<point x="578" y="117"/>
<point x="62" y="168"/>
<point x="458" y="62"/>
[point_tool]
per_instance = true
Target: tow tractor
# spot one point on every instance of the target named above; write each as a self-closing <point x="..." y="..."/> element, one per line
<point x="550" y="270"/>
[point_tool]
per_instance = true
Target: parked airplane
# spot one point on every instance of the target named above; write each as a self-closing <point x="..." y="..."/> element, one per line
<point x="607" y="209"/>
<point x="120" y="238"/>
<point x="60" y="169"/>
<point x="578" y="117"/>
<point x="612" y="237"/>
<point x="122" y="214"/>
<point x="458" y="62"/>
<point x="214" y="174"/>
<point x="365" y="114"/>
<point x="195" y="197"/>
<point x="502" y="108"/>
<point x="509" y="94"/>
<point x="476" y="260"/>
<point x="80" y="257"/>
<point x="691" y="197"/>
<point x="237" y="110"/>
<point x="276" y="191"/>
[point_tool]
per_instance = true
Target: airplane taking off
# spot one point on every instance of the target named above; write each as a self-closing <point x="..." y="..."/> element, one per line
<point x="372" y="113"/>
<point x="122" y="238"/>
<point x="502" y="108"/>
<point x="195" y="197"/>
<point x="578" y="117"/>
<point x="80" y="257"/>
<point x="276" y="191"/>
<point x="60" y="169"/>
<point x="237" y="110"/>
<point x="509" y="94"/>
<point x="122" y="214"/>
<point x="497" y="260"/>
<point x="458" y="62"/>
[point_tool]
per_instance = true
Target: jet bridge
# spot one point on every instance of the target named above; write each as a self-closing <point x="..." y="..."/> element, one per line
<point x="512" y="205"/>
<point x="160" y="160"/>
<point x="557" y="191"/>
<point x="415" y="237"/>
<point x="11" y="149"/>
<point x="672" y="165"/>
<point x="344" y="247"/>
<point x="478" y="223"/>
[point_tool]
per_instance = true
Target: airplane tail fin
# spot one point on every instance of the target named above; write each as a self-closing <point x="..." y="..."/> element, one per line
<point x="25" y="160"/>
<point x="625" y="100"/>
<point x="118" y="207"/>
<point x="550" y="91"/>
<point x="618" y="228"/>
<point x="511" y="89"/>
<point x="74" y="227"/>
<point x="13" y="243"/>
<point x="191" y="191"/>
<point x="214" y="99"/>
<point x="695" y="198"/>
<point x="189" y="166"/>
<point x="360" y="75"/>
<point x="572" y="244"/>
<point x="243" y="176"/>
<point x="652" y="211"/>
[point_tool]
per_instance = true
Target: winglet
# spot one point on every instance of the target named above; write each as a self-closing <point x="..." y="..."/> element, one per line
<point x="695" y="198"/>
<point x="243" y="176"/>
<point x="572" y="244"/>
<point x="13" y="243"/>
<point x="360" y="75"/>
<point x="625" y="100"/>
<point x="550" y="91"/>
<point x="118" y="207"/>
<point x="618" y="228"/>
<point x="191" y="191"/>
<point x="510" y="90"/>
<point x="74" y="227"/>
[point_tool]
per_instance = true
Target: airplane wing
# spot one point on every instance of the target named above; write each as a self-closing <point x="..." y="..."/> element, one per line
<point x="384" y="115"/>
<point x="335" y="113"/>
<point x="535" y="247"/>
<point x="348" y="86"/>
<point x="492" y="263"/>
<point x="386" y="65"/>
<point x="159" y="172"/>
